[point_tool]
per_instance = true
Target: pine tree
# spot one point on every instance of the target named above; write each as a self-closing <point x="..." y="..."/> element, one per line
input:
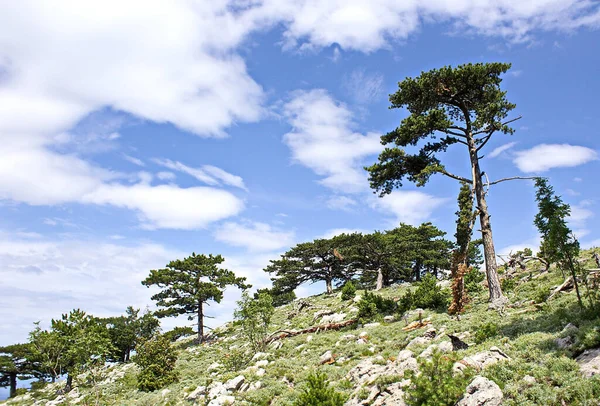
<point x="559" y="245"/>
<point x="188" y="284"/>
<point x="156" y="359"/>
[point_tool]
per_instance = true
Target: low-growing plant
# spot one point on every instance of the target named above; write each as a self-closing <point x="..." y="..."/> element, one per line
<point x="436" y="384"/>
<point x="429" y="295"/>
<point x="406" y="302"/>
<point x="508" y="284"/>
<point x="371" y="305"/>
<point x="318" y="392"/>
<point x="255" y="317"/>
<point x="236" y="359"/>
<point x="156" y="359"/>
<point x="485" y="331"/>
<point x="473" y="280"/>
<point x="348" y="291"/>
<point x="541" y="294"/>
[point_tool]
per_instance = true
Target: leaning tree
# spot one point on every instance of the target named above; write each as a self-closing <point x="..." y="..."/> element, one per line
<point x="187" y="285"/>
<point x="463" y="105"/>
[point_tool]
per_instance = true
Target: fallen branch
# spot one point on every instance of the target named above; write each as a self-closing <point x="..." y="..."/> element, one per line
<point x="281" y="334"/>
<point x="567" y="284"/>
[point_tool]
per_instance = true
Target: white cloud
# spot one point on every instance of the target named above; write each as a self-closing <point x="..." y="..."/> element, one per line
<point x="364" y="87"/>
<point x="169" y="206"/>
<point x="322" y="139"/>
<point x="370" y="25"/>
<point x="410" y="207"/>
<point x="254" y="236"/>
<point x="341" y="203"/>
<point x="502" y="148"/>
<point x="42" y="279"/>
<point x="544" y="157"/>
<point x="164" y="175"/>
<point x="211" y="175"/>
<point x="532" y="243"/>
<point x="134" y="160"/>
<point x="579" y="214"/>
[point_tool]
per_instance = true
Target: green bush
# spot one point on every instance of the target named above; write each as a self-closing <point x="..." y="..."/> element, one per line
<point x="541" y="294"/>
<point x="406" y="302"/>
<point x="348" y="291"/>
<point x="255" y="318"/>
<point x="237" y="359"/>
<point x="473" y="280"/>
<point x="429" y="295"/>
<point x="508" y="285"/>
<point x="371" y="305"/>
<point x="486" y="331"/>
<point x="318" y="392"/>
<point x="436" y="385"/>
<point x="156" y="359"/>
<point x="20" y="391"/>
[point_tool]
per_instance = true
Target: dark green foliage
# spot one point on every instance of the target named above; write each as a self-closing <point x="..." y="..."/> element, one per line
<point x="190" y="283"/>
<point x="178" y="332"/>
<point x="558" y="245"/>
<point x="348" y="291"/>
<point x="508" y="284"/>
<point x="254" y="316"/>
<point x="541" y="294"/>
<point x="15" y="363"/>
<point x="406" y="302"/>
<point x="126" y="331"/>
<point x="156" y="359"/>
<point x="371" y="305"/>
<point x="436" y="385"/>
<point x="429" y="295"/>
<point x="473" y="280"/>
<point x="237" y="359"/>
<point x="75" y="343"/>
<point x="318" y="392"/>
<point x="485" y="331"/>
<point x="280" y="296"/>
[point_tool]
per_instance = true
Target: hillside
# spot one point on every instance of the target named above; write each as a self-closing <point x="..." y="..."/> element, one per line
<point x="537" y="352"/>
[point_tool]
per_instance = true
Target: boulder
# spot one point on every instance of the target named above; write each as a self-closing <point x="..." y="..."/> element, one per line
<point x="482" y="359"/>
<point x="200" y="390"/>
<point x="333" y="318"/>
<point x="589" y="362"/>
<point x="235" y="383"/>
<point x="326" y="358"/>
<point x="389" y="319"/>
<point x="564" y="342"/>
<point x="481" y="392"/>
<point x="222" y="401"/>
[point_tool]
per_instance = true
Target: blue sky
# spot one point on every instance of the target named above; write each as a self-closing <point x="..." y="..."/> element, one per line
<point x="136" y="134"/>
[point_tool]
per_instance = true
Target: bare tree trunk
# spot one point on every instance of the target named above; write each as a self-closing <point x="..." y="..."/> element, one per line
<point x="13" y="384"/>
<point x="329" y="286"/>
<point x="379" y="285"/>
<point x="69" y="384"/>
<point x="497" y="298"/>
<point x="200" y="323"/>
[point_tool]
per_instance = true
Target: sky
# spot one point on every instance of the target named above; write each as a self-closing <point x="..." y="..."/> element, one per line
<point x="135" y="133"/>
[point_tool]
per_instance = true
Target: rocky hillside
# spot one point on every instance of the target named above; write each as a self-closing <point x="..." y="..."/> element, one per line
<point x="535" y="352"/>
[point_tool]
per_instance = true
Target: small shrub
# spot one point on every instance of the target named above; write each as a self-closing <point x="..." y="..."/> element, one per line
<point x="486" y="331"/>
<point x="236" y="360"/>
<point x="541" y="294"/>
<point x="37" y="385"/>
<point x="406" y="302"/>
<point x="429" y="295"/>
<point x="156" y="359"/>
<point x="318" y="392"/>
<point x="436" y="385"/>
<point x="348" y="291"/>
<point x="255" y="317"/>
<point x="371" y="305"/>
<point x="508" y="284"/>
<point x="20" y="391"/>
<point x="473" y="280"/>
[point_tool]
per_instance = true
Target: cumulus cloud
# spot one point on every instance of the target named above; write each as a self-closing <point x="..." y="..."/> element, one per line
<point x="341" y="203"/>
<point x="502" y="148"/>
<point x="544" y="157"/>
<point x="410" y="207"/>
<point x="322" y="139"/>
<point x="254" y="236"/>
<point x="169" y="206"/>
<point x="338" y="231"/>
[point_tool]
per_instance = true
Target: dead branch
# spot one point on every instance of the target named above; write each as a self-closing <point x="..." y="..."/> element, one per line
<point x="281" y="334"/>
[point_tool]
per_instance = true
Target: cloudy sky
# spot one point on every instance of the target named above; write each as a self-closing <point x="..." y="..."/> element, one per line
<point x="133" y="133"/>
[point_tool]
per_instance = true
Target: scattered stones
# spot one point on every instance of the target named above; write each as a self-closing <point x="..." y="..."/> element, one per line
<point x="260" y="372"/>
<point x="389" y="319"/>
<point x="481" y="392"/>
<point x="275" y="345"/>
<point x="361" y="341"/>
<point x="333" y="318"/>
<point x="589" y="362"/>
<point x="529" y="380"/>
<point x="309" y="339"/>
<point x="570" y="328"/>
<point x="321" y="313"/>
<point x="564" y="342"/>
<point x="357" y="298"/>
<point x="482" y="359"/>
<point x="261" y="363"/>
<point x="222" y="401"/>
<point x="214" y="366"/>
<point x="371" y="325"/>
<point x="364" y="335"/>
<point x="348" y="337"/>
<point x="326" y="358"/>
<point x="235" y="383"/>
<point x="255" y="385"/>
<point x="200" y="390"/>
<point x="165" y="392"/>
<point x="260" y="355"/>
<point x="353" y="309"/>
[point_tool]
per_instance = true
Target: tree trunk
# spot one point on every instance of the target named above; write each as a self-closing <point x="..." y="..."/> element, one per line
<point x="200" y="323"/>
<point x="13" y="384"/>
<point x="379" y="285"/>
<point x="329" y="286"/>
<point x="127" y="355"/>
<point x="497" y="298"/>
<point x="69" y="384"/>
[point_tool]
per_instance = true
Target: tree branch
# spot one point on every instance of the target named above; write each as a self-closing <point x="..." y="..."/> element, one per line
<point x="453" y="176"/>
<point x="513" y="178"/>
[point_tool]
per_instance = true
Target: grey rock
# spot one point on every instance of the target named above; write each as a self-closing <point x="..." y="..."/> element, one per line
<point x="589" y="362"/>
<point x="200" y="390"/>
<point x="327" y="357"/>
<point x="481" y="392"/>
<point x="235" y="383"/>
